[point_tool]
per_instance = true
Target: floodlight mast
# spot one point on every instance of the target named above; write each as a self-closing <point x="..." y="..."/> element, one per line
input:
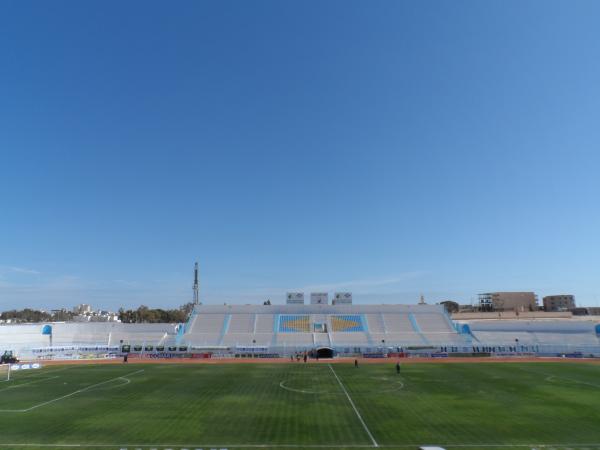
<point x="196" y="285"/>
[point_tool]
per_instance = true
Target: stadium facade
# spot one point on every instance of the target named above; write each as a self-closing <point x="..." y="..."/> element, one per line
<point x="281" y="330"/>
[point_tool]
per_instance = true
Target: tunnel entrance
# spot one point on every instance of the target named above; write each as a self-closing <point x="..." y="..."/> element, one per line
<point x="325" y="352"/>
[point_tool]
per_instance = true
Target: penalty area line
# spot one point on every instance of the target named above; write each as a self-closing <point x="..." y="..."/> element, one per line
<point x="37" y="380"/>
<point x="375" y="444"/>
<point x="78" y="391"/>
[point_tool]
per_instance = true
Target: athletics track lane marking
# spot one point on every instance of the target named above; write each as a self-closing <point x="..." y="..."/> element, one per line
<point x="78" y="391"/>
<point x="375" y="444"/>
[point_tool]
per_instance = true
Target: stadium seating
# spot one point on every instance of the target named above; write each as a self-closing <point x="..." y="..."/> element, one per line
<point x="445" y="339"/>
<point x="349" y="338"/>
<point x="375" y="323"/>
<point x="565" y="338"/>
<point x="288" y="328"/>
<point x="548" y="336"/>
<point x="398" y="339"/>
<point x="397" y="323"/>
<point x="504" y="337"/>
<point x="294" y="324"/>
<point x="282" y="327"/>
<point x="207" y="323"/>
<point x="24" y="339"/>
<point x="242" y="323"/>
<point x="246" y="339"/>
<point x="18" y="337"/>
<point x="146" y="333"/>
<point x="265" y="323"/>
<point x="435" y="323"/>
<point x="347" y="323"/>
<point x="322" y="340"/>
<point x="436" y="329"/>
<point x="294" y="339"/>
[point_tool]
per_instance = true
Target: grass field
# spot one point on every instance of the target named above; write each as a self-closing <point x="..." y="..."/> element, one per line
<point x="535" y="405"/>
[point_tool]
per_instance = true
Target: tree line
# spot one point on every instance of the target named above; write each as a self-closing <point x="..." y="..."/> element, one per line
<point x="143" y="314"/>
<point x="34" y="315"/>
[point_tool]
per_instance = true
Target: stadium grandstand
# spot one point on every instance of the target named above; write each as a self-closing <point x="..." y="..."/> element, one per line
<point x="281" y="330"/>
<point x="543" y="337"/>
<point x="285" y="328"/>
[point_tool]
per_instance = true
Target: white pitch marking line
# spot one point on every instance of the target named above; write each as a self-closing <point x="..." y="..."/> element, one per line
<point x="301" y="391"/>
<point x="559" y="377"/>
<point x="28" y="376"/>
<point x="400" y="385"/>
<point x="375" y="444"/>
<point x="70" y="394"/>
<point x="127" y="381"/>
<point x="14" y="386"/>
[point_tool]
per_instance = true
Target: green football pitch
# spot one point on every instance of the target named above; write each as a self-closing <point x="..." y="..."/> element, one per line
<point x="313" y="406"/>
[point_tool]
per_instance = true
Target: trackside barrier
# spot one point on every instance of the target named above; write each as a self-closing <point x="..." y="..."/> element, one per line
<point x="509" y="349"/>
<point x="257" y="355"/>
<point x="202" y="355"/>
<point x="25" y="366"/>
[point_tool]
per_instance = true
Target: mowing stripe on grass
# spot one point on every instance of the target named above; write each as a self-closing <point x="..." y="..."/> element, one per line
<point x="375" y="444"/>
<point x="221" y="446"/>
<point x="69" y="395"/>
<point x="560" y="377"/>
<point x="14" y="386"/>
<point x="202" y="446"/>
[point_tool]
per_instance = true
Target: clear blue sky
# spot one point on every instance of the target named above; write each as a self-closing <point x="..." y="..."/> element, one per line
<point x="390" y="148"/>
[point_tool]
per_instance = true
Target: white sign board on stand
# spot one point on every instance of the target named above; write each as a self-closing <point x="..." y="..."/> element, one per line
<point x="319" y="298"/>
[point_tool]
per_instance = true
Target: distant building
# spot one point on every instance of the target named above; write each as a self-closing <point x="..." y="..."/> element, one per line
<point x="467" y="308"/>
<point x="508" y="301"/>
<point x="83" y="308"/>
<point x="559" y="302"/>
<point x="84" y="313"/>
<point x="593" y="311"/>
<point x="586" y="311"/>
